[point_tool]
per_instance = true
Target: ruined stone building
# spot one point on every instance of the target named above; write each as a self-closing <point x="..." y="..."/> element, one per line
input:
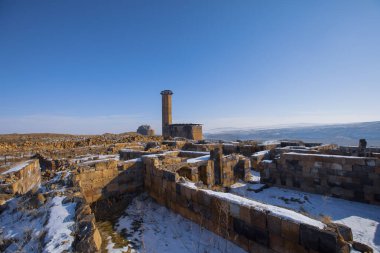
<point x="169" y="130"/>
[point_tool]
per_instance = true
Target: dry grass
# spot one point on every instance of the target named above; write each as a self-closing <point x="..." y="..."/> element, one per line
<point x="326" y="219"/>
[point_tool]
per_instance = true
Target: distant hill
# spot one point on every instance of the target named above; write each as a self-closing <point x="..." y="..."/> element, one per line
<point x="342" y="134"/>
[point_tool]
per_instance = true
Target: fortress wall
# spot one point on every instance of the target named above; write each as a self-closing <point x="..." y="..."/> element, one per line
<point x="22" y="180"/>
<point x="242" y="221"/>
<point x="347" y="177"/>
<point x="103" y="179"/>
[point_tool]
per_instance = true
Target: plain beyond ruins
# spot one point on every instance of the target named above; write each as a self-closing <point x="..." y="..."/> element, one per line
<point x="218" y="186"/>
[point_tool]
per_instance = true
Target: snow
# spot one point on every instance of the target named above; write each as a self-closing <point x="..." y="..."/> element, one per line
<point x="133" y="160"/>
<point x="153" y="228"/>
<point x="104" y="159"/>
<point x="60" y="226"/>
<point x="25" y="227"/>
<point x="17" y="167"/>
<point x="363" y="219"/>
<point x="255" y="176"/>
<point x="194" y="152"/>
<point x="93" y="158"/>
<point x="322" y="155"/>
<point x="199" y="159"/>
<point x="260" y="153"/>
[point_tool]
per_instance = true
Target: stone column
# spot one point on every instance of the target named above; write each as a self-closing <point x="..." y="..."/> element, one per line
<point x="166" y="112"/>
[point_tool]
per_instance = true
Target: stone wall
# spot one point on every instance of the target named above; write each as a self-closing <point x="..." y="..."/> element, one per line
<point x="244" y="222"/>
<point x="347" y="177"/>
<point x="188" y="131"/>
<point x="128" y="154"/>
<point x="21" y="180"/>
<point x="256" y="158"/>
<point x="103" y="179"/>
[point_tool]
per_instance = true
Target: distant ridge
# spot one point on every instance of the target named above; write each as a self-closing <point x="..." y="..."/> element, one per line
<point x="342" y="134"/>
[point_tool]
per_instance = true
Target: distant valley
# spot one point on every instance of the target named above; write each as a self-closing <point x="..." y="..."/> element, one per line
<point x="341" y="134"/>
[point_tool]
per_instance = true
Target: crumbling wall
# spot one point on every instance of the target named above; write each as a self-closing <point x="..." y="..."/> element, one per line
<point x="256" y="158"/>
<point x="347" y="177"/>
<point x="188" y="131"/>
<point x="103" y="179"/>
<point x="128" y="154"/>
<point x="21" y="180"/>
<point x="227" y="169"/>
<point x="249" y="225"/>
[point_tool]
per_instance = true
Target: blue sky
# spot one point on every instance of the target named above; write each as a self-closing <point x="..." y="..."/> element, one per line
<point x="98" y="66"/>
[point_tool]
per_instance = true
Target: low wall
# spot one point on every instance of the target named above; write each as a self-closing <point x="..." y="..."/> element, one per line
<point x="103" y="179"/>
<point x="347" y="177"/>
<point x="21" y="178"/>
<point x="257" y="157"/>
<point x="128" y="154"/>
<point x="253" y="226"/>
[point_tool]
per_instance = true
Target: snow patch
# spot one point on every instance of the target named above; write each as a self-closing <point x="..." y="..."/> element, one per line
<point x="18" y="167"/>
<point x="60" y="226"/>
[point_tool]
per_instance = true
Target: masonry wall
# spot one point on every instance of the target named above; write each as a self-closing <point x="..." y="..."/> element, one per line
<point x="23" y="180"/>
<point x="188" y="131"/>
<point x="104" y="179"/>
<point x="252" y="228"/>
<point x="352" y="178"/>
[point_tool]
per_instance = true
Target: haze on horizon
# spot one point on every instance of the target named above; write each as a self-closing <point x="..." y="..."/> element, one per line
<point x="96" y="67"/>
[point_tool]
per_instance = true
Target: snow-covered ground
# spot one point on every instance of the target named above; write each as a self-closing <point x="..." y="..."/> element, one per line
<point x="363" y="219"/>
<point x="150" y="227"/>
<point x="44" y="229"/>
<point x="45" y="224"/>
<point x="60" y="226"/>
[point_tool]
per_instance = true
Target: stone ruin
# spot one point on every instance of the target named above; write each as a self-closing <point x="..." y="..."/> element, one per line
<point x="145" y="130"/>
<point x="193" y="178"/>
<point x="189" y="131"/>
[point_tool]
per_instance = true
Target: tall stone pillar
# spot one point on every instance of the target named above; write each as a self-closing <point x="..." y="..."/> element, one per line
<point x="166" y="112"/>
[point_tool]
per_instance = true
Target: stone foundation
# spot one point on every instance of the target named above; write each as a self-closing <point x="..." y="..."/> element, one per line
<point x="347" y="177"/>
<point x="104" y="179"/>
<point x="252" y="227"/>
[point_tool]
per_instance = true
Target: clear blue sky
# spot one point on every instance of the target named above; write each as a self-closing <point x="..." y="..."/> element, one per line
<point x="98" y="66"/>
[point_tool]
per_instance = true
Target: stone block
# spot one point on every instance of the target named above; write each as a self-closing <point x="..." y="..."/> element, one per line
<point x="274" y="224"/>
<point x="290" y="230"/>
<point x="245" y="214"/>
<point x="234" y="210"/>
<point x="344" y="231"/>
<point x="258" y="218"/>
<point x="203" y="198"/>
<point x="309" y="237"/>
<point x="170" y="176"/>
<point x="255" y="247"/>
<point x="186" y="192"/>
<point x="276" y="242"/>
<point x="327" y="241"/>
<point x="251" y="232"/>
<point x="291" y="247"/>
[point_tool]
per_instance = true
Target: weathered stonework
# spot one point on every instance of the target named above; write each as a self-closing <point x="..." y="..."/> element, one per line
<point x="347" y="177"/>
<point x="250" y="227"/>
<point x="23" y="180"/>
<point x="104" y="179"/>
<point x="169" y="130"/>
